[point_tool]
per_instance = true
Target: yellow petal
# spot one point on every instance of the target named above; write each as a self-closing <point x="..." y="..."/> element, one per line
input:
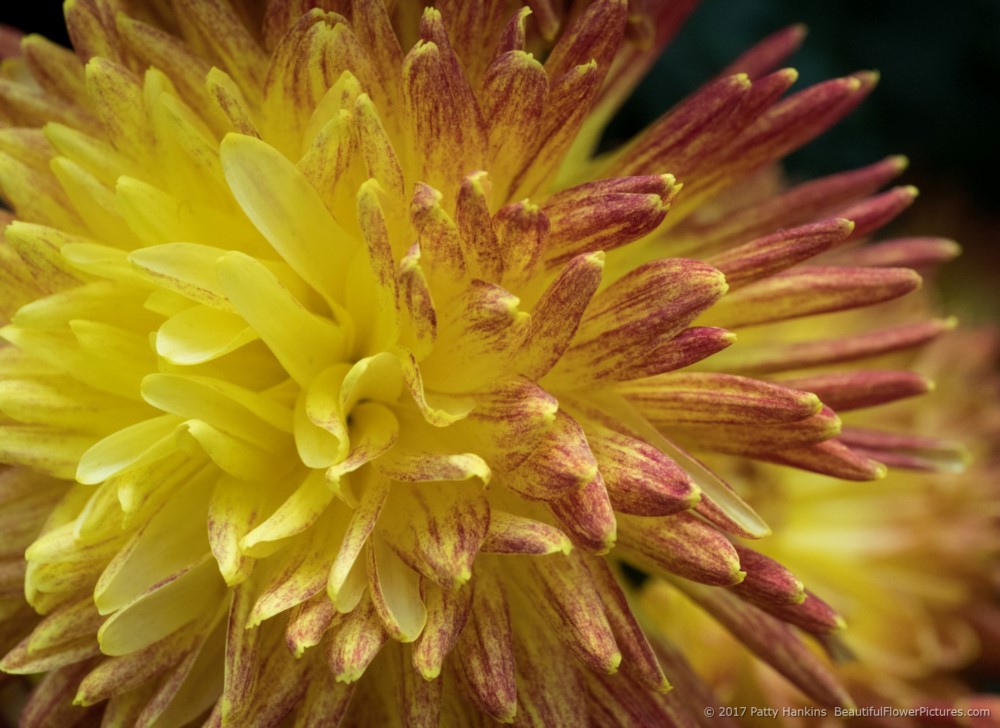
<point x="287" y="210"/>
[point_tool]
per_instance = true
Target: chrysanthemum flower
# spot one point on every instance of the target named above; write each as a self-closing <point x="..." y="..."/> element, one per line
<point x="911" y="564"/>
<point x="337" y="364"/>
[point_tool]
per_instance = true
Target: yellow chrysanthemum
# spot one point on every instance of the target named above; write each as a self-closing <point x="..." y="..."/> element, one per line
<point x="289" y="286"/>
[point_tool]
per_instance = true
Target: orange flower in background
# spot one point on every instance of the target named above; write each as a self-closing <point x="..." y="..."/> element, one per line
<point x="337" y="364"/>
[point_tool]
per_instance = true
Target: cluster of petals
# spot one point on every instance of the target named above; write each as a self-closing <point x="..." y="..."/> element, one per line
<point x="911" y="564"/>
<point x="337" y="363"/>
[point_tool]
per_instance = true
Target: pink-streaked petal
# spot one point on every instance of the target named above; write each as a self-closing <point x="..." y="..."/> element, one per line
<point x="767" y="582"/>
<point x="640" y="479"/>
<point x="510" y="421"/>
<point x="522" y="229"/>
<point x="681" y="544"/>
<point x="648" y="306"/>
<point x="638" y="659"/>
<point x="770" y="358"/>
<point x="437" y="530"/>
<point x="688" y="347"/>
<point x="769" y="53"/>
<point x="918" y="253"/>
<point x="326" y="700"/>
<point x="595" y="36"/>
<point x="743" y="439"/>
<point x="772" y="641"/>
<point x="794" y="121"/>
<point x="514" y="92"/>
<point x="441" y="109"/>
<point x="558" y="313"/>
<point x="682" y="398"/>
<point x="691" y="131"/>
<point x="475" y="227"/>
<point x="440" y="244"/>
<point x="308" y="623"/>
<point x="773" y="253"/>
<point x="800" y="205"/>
<point x="606" y="214"/>
<point x="831" y="458"/>
<point x="902" y="450"/>
<point x="447" y="613"/>
<point x="810" y="291"/>
<point x="587" y="517"/>
<point x="570" y="602"/>
<point x="871" y="214"/>
<point x="570" y="98"/>
<point x="51" y="700"/>
<point x="359" y="638"/>
<point x="512" y="534"/>
<point x="845" y="391"/>
<point x="812" y="614"/>
<point x="560" y="466"/>
<point x="485" y="652"/>
<point x="549" y="686"/>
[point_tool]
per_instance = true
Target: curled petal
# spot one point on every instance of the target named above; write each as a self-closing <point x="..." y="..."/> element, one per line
<point x="395" y="593"/>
